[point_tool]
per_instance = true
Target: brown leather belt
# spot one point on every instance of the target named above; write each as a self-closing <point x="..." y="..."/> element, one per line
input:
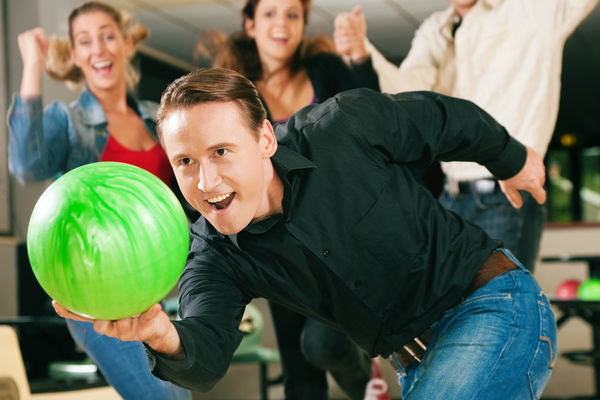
<point x="495" y="265"/>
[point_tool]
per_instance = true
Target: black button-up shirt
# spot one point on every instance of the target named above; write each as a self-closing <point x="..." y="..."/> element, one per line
<point x="361" y="245"/>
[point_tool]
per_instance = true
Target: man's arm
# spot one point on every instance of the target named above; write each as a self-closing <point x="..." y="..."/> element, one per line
<point x="418" y="128"/>
<point x="419" y="70"/>
<point x="167" y="357"/>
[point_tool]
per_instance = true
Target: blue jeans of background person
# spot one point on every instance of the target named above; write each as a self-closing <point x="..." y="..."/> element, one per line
<point x="520" y="230"/>
<point x="124" y="365"/>
<point x="498" y="343"/>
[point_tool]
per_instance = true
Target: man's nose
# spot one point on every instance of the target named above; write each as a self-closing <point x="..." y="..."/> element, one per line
<point x="208" y="178"/>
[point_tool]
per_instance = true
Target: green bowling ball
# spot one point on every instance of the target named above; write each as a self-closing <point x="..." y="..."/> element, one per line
<point x="589" y="290"/>
<point x="107" y="240"/>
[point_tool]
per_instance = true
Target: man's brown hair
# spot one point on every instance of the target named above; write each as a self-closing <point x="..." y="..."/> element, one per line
<point x="213" y="85"/>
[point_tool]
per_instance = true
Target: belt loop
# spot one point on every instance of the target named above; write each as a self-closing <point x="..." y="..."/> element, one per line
<point x="452" y="187"/>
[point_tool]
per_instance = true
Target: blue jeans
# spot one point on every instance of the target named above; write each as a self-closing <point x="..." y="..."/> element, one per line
<point x="498" y="343"/>
<point x="124" y="365"/>
<point x="520" y="230"/>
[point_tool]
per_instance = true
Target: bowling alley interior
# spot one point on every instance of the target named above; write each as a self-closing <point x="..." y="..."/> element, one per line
<point x="40" y="360"/>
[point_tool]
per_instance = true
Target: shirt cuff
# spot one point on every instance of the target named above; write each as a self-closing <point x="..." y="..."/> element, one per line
<point x="510" y="161"/>
<point x="23" y="105"/>
<point x="158" y="362"/>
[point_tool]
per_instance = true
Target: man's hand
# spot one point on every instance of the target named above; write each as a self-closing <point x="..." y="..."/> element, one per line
<point x="531" y="178"/>
<point x="153" y="327"/>
<point x="349" y="34"/>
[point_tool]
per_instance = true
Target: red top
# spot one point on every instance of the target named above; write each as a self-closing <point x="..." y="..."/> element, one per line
<point x="154" y="160"/>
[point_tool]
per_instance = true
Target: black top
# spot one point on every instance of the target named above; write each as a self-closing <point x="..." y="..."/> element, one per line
<point x="361" y="245"/>
<point x="329" y="75"/>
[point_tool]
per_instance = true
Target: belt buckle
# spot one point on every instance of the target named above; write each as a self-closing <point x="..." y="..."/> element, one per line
<point x="409" y="353"/>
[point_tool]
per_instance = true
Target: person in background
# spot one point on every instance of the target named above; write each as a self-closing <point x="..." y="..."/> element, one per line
<point x="292" y="71"/>
<point x="321" y="215"/>
<point x="105" y="123"/>
<point x="506" y="57"/>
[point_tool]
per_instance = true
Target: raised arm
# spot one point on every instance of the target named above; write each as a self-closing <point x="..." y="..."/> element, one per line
<point x="350" y="31"/>
<point x="39" y="141"/>
<point x="418" y="73"/>
<point x="350" y="38"/>
<point x="33" y="45"/>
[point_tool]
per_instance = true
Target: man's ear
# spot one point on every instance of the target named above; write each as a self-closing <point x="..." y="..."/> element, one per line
<point x="268" y="142"/>
<point x="249" y="27"/>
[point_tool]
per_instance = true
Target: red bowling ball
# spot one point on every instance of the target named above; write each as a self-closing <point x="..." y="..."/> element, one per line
<point x="567" y="290"/>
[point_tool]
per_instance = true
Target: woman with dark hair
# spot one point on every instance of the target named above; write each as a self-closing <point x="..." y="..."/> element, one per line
<point x="291" y="72"/>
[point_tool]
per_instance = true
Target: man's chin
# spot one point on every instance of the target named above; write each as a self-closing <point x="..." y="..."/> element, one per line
<point x="224" y="228"/>
<point x="228" y="230"/>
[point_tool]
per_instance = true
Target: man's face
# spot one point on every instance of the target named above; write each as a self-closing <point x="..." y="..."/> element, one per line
<point x="223" y="170"/>
<point x="463" y="3"/>
<point x="462" y="6"/>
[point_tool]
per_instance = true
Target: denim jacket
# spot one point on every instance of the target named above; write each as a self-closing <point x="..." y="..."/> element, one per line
<point x="47" y="142"/>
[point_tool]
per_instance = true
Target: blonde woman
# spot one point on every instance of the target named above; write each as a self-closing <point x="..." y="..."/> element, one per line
<point x="105" y="123"/>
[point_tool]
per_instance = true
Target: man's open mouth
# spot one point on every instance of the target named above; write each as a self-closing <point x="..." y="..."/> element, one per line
<point x="221" y="201"/>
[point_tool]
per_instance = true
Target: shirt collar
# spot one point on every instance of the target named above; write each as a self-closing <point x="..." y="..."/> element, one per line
<point x="92" y="112"/>
<point x="285" y="161"/>
<point x="450" y="18"/>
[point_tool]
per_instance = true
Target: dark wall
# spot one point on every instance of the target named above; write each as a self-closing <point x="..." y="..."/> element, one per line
<point x="579" y="112"/>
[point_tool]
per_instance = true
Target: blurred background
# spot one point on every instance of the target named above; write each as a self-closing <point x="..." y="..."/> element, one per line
<point x="573" y="159"/>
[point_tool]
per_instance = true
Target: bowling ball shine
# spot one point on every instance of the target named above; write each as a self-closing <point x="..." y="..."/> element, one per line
<point x="107" y="240"/>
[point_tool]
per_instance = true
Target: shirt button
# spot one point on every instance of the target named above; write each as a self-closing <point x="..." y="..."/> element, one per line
<point x="325" y="253"/>
<point x="357" y="284"/>
<point x="389" y="331"/>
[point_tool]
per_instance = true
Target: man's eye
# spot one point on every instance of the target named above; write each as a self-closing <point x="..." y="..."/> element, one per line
<point x="186" y="161"/>
<point x="221" y="152"/>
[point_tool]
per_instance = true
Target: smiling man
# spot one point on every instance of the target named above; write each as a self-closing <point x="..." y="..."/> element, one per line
<point x="225" y="171"/>
<point x="329" y="222"/>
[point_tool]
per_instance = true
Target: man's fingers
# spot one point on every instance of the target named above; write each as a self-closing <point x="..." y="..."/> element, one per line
<point x="104" y="327"/>
<point x="63" y="312"/>
<point x="539" y="194"/>
<point x="341" y="21"/>
<point x="515" y="199"/>
<point x="152" y="312"/>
